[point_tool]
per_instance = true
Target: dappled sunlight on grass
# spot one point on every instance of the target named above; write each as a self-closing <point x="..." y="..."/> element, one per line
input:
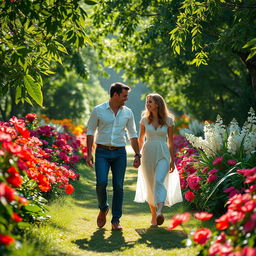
<point x="72" y="230"/>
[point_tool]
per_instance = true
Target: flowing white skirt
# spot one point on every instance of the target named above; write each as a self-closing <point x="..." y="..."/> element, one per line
<point x="171" y="183"/>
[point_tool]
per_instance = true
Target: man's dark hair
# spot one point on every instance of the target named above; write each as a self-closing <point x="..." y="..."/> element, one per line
<point x="118" y="88"/>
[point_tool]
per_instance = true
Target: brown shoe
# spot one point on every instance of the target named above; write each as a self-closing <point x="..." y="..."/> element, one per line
<point x="101" y="219"/>
<point x="116" y="226"/>
<point x="160" y="219"/>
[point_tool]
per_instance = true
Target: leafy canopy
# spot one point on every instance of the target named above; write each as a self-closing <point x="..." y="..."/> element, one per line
<point x="32" y="35"/>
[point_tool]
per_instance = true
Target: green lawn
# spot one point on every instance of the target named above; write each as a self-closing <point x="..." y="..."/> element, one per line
<point x="72" y="230"/>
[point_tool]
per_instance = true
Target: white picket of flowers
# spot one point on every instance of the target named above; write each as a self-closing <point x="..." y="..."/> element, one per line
<point x="216" y="135"/>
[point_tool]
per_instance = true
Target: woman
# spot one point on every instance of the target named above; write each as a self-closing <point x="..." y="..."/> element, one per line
<point x="158" y="179"/>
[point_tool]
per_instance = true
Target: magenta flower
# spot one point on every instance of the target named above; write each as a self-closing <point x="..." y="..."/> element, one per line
<point x="217" y="160"/>
<point x="205" y="169"/>
<point x="193" y="182"/>
<point x="212" y="171"/>
<point x="231" y="162"/>
<point x="212" y="178"/>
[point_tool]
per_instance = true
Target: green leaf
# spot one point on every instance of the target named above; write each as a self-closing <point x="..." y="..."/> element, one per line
<point x="229" y="174"/>
<point x="177" y="49"/>
<point x="28" y="101"/>
<point x="61" y="47"/>
<point x="17" y="94"/>
<point x="23" y="225"/>
<point x="34" y="89"/>
<point x="250" y="43"/>
<point x="32" y="208"/>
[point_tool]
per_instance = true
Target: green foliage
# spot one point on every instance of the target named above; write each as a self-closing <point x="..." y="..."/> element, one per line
<point x="135" y="36"/>
<point x="33" y="34"/>
<point x="214" y="25"/>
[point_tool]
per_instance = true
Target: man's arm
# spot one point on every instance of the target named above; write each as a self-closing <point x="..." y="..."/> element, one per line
<point x="89" y="142"/>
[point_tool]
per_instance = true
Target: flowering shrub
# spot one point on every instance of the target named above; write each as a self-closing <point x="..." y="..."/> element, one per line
<point x="32" y="162"/>
<point x="212" y="176"/>
<point x="236" y="229"/>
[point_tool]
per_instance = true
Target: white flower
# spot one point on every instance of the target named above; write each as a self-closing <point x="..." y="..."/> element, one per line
<point x="238" y="140"/>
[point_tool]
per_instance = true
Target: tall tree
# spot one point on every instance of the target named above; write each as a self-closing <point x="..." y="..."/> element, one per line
<point x="33" y="34"/>
<point x="135" y="36"/>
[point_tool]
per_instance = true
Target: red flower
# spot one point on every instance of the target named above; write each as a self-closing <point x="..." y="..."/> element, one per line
<point x="221" y="237"/>
<point x="203" y="215"/>
<point x="222" y="222"/>
<point x="16" y="217"/>
<point x="31" y="117"/>
<point x="6" y="240"/>
<point x="15" y="180"/>
<point x="202" y="235"/>
<point x="179" y="219"/>
<point x="7" y="192"/>
<point x="189" y="195"/>
<point x="69" y="189"/>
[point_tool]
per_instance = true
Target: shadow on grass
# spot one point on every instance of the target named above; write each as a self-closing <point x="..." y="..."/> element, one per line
<point x="98" y="243"/>
<point x="160" y="238"/>
<point x="157" y="238"/>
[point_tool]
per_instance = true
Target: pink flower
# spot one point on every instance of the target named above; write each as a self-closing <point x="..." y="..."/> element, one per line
<point x="212" y="178"/>
<point x="189" y="195"/>
<point x="183" y="183"/>
<point x="203" y="215"/>
<point x="217" y="160"/>
<point x="248" y="251"/>
<point x="229" y="189"/>
<point x="231" y="162"/>
<point x="205" y="170"/>
<point x="212" y="171"/>
<point x="193" y="182"/>
<point x="234" y="216"/>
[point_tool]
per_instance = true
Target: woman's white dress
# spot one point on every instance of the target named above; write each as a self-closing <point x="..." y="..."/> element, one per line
<point x="155" y="149"/>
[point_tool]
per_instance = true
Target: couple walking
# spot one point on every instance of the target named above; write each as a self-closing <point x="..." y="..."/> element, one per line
<point x="158" y="179"/>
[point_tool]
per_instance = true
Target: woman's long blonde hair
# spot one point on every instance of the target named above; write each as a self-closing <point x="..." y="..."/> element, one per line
<point x="163" y="112"/>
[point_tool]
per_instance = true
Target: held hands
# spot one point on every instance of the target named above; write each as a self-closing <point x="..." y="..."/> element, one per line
<point x="171" y="167"/>
<point x="136" y="161"/>
<point x="89" y="161"/>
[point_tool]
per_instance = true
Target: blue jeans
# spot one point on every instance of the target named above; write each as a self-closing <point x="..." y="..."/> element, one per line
<point x="116" y="160"/>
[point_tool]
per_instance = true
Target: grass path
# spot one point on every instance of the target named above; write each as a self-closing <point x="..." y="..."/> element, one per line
<point x="72" y="230"/>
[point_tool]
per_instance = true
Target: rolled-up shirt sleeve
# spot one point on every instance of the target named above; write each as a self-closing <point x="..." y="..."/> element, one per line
<point x="92" y="122"/>
<point x="131" y="127"/>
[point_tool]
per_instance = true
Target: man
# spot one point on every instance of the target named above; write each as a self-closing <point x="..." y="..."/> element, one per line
<point x="111" y="119"/>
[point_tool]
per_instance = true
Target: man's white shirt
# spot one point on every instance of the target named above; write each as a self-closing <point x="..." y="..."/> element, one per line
<point x="111" y="128"/>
